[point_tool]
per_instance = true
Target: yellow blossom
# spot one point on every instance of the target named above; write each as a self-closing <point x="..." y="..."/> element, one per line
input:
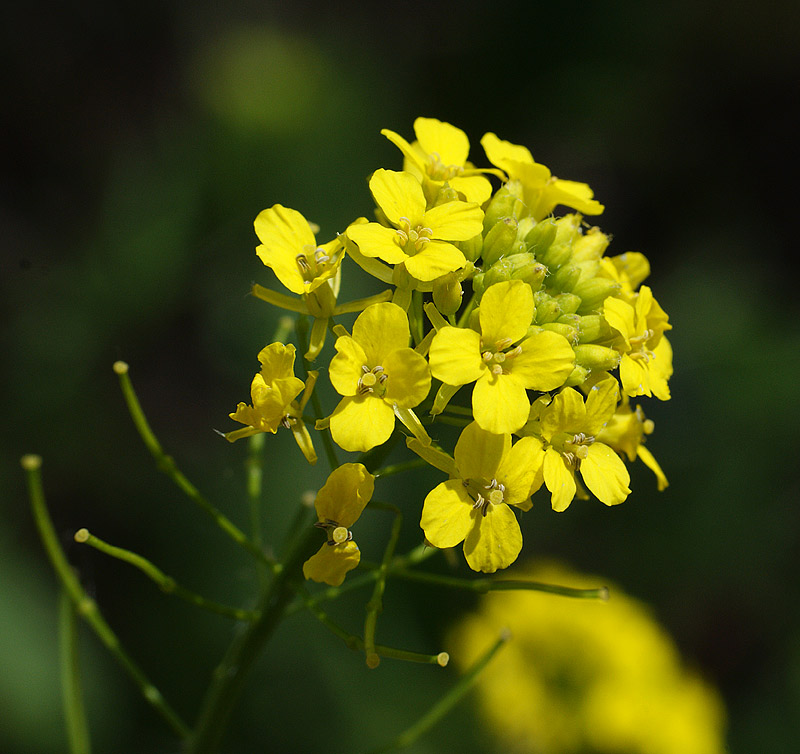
<point x="473" y="506"/>
<point x="625" y="433"/>
<point x="542" y="191"/>
<point x="503" y="359"/>
<point x="273" y="392"/>
<point x="585" y="676"/>
<point x="439" y="157"/>
<point x="568" y="430"/>
<point x="339" y="503"/>
<point x="646" y="363"/>
<point x="377" y="373"/>
<point x="420" y="238"/>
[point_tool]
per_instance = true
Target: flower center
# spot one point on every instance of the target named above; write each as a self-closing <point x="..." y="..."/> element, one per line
<point x="312" y="262"/>
<point x="372" y="380"/>
<point x="574" y="448"/>
<point x="485" y="493"/>
<point x="497" y="358"/>
<point x="438" y="171"/>
<point x="337" y="535"/>
<point x="412" y="239"/>
<point x="638" y="350"/>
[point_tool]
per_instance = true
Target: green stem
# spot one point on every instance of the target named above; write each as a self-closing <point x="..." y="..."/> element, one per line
<point x="446" y="703"/>
<point x="230" y="676"/>
<point x="166" y="583"/>
<point x="74" y="710"/>
<point x="255" y="473"/>
<point x="85" y="605"/>
<point x="375" y="605"/>
<point x="167" y="465"/>
<point x="397" y="468"/>
<point x="481" y="586"/>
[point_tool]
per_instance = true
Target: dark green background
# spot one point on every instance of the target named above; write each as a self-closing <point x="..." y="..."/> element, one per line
<point x="139" y="142"/>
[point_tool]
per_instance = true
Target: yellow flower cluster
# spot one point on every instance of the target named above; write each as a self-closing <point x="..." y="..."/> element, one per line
<point x="582" y="676"/>
<point x="488" y="290"/>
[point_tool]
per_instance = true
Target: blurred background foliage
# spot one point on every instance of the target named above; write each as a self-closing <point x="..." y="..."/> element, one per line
<point x="140" y="141"/>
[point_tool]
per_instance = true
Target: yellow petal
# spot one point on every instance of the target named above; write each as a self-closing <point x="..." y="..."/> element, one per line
<point x="506" y="312"/>
<point x="479" y="453"/>
<point x="284" y="233"/>
<point x="475" y="188"/>
<point x="454" y="221"/>
<point x="436" y="258"/>
<point x="559" y="480"/>
<point x="345" y="369"/>
<point x="361" y="422"/>
<point x="519" y="469"/>
<point x="345" y="494"/>
<point x="566" y="413"/>
<point x="381" y="329"/>
<point x="575" y="195"/>
<point x="601" y="403"/>
<point x="634" y="375"/>
<point x="374" y="240"/>
<point x="331" y="563"/>
<point x="494" y="541"/>
<point x="447" y="514"/>
<point x="605" y="474"/>
<point x="500" y="403"/>
<point x="409" y="379"/>
<point x="501" y="152"/>
<point x="455" y="356"/>
<point x="649" y="460"/>
<point x="399" y="195"/>
<point x="620" y="316"/>
<point x="449" y="143"/>
<point x="545" y="362"/>
<point x="407" y="149"/>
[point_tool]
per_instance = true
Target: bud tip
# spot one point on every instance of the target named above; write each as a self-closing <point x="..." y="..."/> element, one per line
<point x="442" y="659"/>
<point x="31" y="462"/>
<point x="120" y="367"/>
<point x="82" y="535"/>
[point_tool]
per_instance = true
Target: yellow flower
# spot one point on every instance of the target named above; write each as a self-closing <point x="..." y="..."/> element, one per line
<point x="625" y="433"/>
<point x="629" y="270"/>
<point x="377" y="373"/>
<point x="420" y="238"/>
<point x="501" y="370"/>
<point x="584" y="676"/>
<point x="646" y="363"/>
<point x="473" y="507"/>
<point x="569" y="429"/>
<point x="542" y="191"/>
<point x="273" y="392"/>
<point x="339" y="503"/>
<point x="439" y="156"/>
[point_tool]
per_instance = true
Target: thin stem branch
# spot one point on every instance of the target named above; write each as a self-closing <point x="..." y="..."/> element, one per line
<point x="166" y="583"/>
<point x="167" y="465"/>
<point x="71" y="687"/>
<point x="85" y="605"/>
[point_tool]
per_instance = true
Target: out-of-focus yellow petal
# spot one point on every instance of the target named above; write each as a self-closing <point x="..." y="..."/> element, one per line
<point x="361" y="422"/>
<point x="494" y="541"/>
<point x="345" y="369"/>
<point x="381" y="329"/>
<point x="331" y="563"/>
<point x="345" y="494"/>
<point x="500" y="403"/>
<point x="478" y="453"/>
<point x="506" y="312"/>
<point x="605" y="474"/>
<point x="559" y="480"/>
<point x="575" y="195"/>
<point x="455" y="356"/>
<point x="409" y="378"/>
<point x="649" y="460"/>
<point x="399" y="195"/>
<point x="447" y="514"/>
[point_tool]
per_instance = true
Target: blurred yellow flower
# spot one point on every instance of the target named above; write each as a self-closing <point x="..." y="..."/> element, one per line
<point x="582" y="676"/>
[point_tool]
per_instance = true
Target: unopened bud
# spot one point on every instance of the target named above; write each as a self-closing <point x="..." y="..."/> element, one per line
<point x="499" y="240"/>
<point x="592" y="328"/>
<point x="568" y="303"/>
<point x="559" y="252"/>
<point x="596" y="358"/>
<point x="472" y="248"/>
<point x="447" y="293"/>
<point x="577" y="376"/>
<point x="567" y="331"/>
<point x="518" y="267"/>
<point x="479" y="284"/>
<point x="593" y="292"/>
<point x="590" y="246"/>
<point x="506" y="202"/>
<point x="541" y="236"/>
<point x="547" y="310"/>
<point x="565" y="278"/>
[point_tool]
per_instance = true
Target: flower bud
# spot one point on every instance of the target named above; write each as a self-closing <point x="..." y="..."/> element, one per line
<point x="577" y="376"/>
<point x="447" y="293"/>
<point x="592" y="328"/>
<point x="564" y="278"/>
<point x="547" y="310"/>
<point x="506" y="202"/>
<point x="568" y="303"/>
<point x="472" y="248"/>
<point x="593" y="292"/>
<point x="590" y="246"/>
<point x="559" y="252"/>
<point x="479" y="284"/>
<point x="518" y="267"/>
<point x="541" y="236"/>
<point x="596" y="357"/>
<point x="499" y="240"/>
<point x="569" y="332"/>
